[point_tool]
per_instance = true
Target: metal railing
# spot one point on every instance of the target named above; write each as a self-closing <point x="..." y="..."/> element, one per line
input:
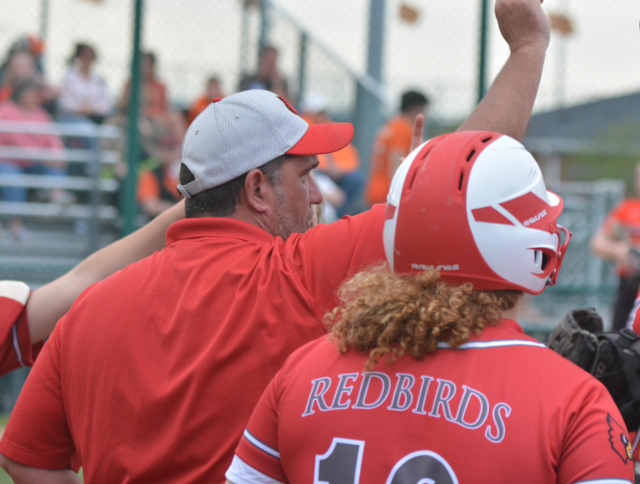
<point x="94" y="158"/>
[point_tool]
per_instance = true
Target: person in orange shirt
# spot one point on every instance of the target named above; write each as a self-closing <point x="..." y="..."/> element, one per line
<point x="343" y="166"/>
<point x="153" y="91"/>
<point x="212" y="91"/>
<point x="391" y="145"/>
<point x="159" y="177"/>
<point x="618" y="240"/>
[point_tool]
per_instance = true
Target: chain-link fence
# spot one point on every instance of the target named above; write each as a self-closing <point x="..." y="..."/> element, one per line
<point x="429" y="45"/>
<point x="357" y="56"/>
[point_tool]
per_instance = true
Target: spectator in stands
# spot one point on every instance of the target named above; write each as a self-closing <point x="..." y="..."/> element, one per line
<point x="25" y="104"/>
<point x="618" y="240"/>
<point x="155" y="110"/>
<point x="268" y="76"/>
<point x="27" y="43"/>
<point x="21" y="65"/>
<point x="342" y="167"/>
<point x="82" y="92"/>
<point x="153" y="92"/>
<point x="392" y="144"/>
<point x="211" y="92"/>
<point x="158" y="178"/>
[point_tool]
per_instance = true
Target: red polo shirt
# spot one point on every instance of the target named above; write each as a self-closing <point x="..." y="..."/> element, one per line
<point x="16" y="349"/>
<point x="154" y="372"/>
<point x="501" y="408"/>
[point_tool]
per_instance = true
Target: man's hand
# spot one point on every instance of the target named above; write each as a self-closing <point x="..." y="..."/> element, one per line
<point x="507" y="106"/>
<point x="523" y="23"/>
<point x="417" y="137"/>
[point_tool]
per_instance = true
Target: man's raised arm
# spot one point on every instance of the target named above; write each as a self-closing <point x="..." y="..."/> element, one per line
<point x="507" y="106"/>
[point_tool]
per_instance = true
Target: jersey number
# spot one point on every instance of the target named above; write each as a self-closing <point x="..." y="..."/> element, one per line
<point x="342" y="462"/>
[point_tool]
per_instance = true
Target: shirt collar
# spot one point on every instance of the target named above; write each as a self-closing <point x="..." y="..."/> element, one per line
<point x="219" y="227"/>
<point x="504" y="329"/>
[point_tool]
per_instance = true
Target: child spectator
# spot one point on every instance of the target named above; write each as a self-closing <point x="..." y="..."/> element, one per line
<point x="83" y="93"/>
<point x="25" y="104"/>
<point x="159" y="178"/>
<point x="212" y="91"/>
<point x="392" y="144"/>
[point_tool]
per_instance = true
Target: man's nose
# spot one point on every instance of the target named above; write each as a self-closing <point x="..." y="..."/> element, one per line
<point x="315" y="196"/>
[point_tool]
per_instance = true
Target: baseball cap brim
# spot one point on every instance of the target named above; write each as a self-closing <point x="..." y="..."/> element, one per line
<point x="323" y="138"/>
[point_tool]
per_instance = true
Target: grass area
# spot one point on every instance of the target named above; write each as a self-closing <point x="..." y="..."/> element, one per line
<point x="4" y="477"/>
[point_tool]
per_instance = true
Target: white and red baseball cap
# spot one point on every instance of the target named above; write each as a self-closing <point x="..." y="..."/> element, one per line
<point x="474" y="206"/>
<point x="246" y="130"/>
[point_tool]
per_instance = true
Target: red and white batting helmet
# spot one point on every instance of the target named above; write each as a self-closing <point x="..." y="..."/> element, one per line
<point x="474" y="206"/>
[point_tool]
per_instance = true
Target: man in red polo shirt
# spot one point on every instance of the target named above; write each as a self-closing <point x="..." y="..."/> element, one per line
<point x="27" y="318"/>
<point x="153" y="374"/>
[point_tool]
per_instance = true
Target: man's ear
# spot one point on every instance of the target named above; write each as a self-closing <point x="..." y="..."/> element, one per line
<point x="258" y="191"/>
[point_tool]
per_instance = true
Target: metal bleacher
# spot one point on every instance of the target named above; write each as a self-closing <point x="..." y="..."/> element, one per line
<point x="59" y="235"/>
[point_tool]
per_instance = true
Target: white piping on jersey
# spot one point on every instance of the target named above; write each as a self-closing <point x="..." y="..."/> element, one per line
<point x="605" y="481"/>
<point x="261" y="446"/>
<point x="491" y="344"/>
<point x="16" y="344"/>
<point x="632" y="314"/>
<point x="16" y="290"/>
<point x="242" y="473"/>
<point x="635" y="441"/>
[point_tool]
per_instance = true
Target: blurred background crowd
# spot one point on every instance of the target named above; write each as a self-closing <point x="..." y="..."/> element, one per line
<point x="76" y="171"/>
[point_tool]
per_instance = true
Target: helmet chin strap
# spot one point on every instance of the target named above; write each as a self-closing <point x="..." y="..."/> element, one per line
<point x="550" y="282"/>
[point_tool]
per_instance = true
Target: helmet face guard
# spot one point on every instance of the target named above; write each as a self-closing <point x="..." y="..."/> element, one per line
<point x="562" y="250"/>
<point x="473" y="205"/>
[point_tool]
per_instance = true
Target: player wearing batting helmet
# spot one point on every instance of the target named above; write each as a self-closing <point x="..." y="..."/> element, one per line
<point x="153" y="374"/>
<point x="427" y="376"/>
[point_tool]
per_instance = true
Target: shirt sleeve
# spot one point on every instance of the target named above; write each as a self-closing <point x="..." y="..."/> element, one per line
<point x="258" y="447"/>
<point x="596" y="445"/>
<point x="327" y="254"/>
<point x="37" y="434"/>
<point x="16" y="349"/>
<point x="613" y="218"/>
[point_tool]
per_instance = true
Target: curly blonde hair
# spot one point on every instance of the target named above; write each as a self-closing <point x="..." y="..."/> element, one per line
<point x="383" y="313"/>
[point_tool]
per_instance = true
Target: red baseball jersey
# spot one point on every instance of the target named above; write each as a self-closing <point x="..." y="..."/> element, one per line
<point x="633" y="322"/>
<point x="15" y="341"/>
<point x="501" y="408"/>
<point x="154" y="372"/>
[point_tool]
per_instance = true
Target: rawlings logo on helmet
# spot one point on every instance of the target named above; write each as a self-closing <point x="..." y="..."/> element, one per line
<point x="422" y="267"/>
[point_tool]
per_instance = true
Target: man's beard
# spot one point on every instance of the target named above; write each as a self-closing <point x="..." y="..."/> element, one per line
<point x="286" y="223"/>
